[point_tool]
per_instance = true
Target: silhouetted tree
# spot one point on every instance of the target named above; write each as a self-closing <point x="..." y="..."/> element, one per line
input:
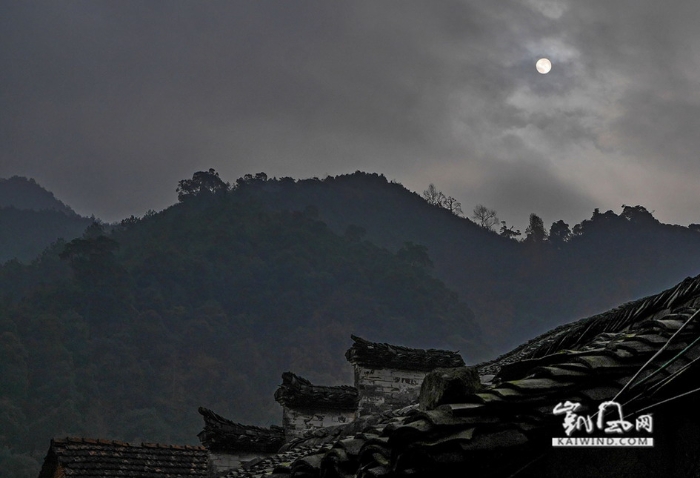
<point x="433" y="196"/>
<point x="100" y="277"/>
<point x="485" y="217"/>
<point x="508" y="232"/>
<point x="638" y="215"/>
<point x="249" y="179"/>
<point x="129" y="222"/>
<point x="452" y="205"/>
<point x="437" y="198"/>
<point x="599" y="223"/>
<point x="202" y="182"/>
<point x="535" y="230"/>
<point x="559" y="233"/>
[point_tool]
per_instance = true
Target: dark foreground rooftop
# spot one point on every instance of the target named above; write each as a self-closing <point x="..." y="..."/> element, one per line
<point x="382" y="356"/>
<point x="223" y="435"/>
<point x="89" y="458"/>
<point x="297" y="392"/>
<point x="643" y="355"/>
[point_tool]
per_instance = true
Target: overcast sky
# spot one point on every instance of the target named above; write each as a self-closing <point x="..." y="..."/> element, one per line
<point x="109" y="103"/>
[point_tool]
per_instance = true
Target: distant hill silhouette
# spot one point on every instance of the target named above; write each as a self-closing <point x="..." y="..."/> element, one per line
<point x="124" y="335"/>
<point x="516" y="289"/>
<point x="31" y="218"/>
<point x="24" y="193"/>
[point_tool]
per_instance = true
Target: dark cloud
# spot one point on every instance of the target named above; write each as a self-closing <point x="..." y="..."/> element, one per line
<point x="109" y="104"/>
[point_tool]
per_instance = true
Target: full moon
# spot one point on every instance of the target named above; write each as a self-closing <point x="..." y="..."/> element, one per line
<point x="543" y="65"/>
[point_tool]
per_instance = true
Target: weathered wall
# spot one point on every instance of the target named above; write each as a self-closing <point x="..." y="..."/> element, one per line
<point x="385" y="389"/>
<point x="232" y="461"/>
<point x="297" y="421"/>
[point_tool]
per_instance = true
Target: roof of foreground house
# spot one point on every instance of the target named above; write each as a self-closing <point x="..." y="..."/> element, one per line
<point x="297" y="392"/>
<point x="382" y="356"/>
<point x="306" y="451"/>
<point x="90" y="458"/>
<point x="223" y="435"/>
<point x="580" y="332"/>
<point x="643" y="354"/>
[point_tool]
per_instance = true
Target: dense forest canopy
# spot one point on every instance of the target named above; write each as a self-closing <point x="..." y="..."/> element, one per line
<point x="518" y="285"/>
<point x="24" y="193"/>
<point x="31" y="218"/>
<point x="124" y="331"/>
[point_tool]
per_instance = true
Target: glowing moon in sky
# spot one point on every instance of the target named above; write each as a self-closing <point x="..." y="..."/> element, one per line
<point x="543" y="65"/>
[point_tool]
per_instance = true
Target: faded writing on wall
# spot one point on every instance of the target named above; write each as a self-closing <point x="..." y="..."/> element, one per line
<point x="386" y="389"/>
<point x="297" y="421"/>
<point x="231" y="461"/>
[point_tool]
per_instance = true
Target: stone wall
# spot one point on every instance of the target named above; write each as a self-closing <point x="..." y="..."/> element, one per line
<point x="297" y="421"/>
<point x="386" y="389"/>
<point x="221" y="462"/>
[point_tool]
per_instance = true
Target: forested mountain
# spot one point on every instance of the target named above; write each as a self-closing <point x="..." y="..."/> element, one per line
<point x="24" y="193"/>
<point x="474" y="262"/>
<point x="123" y="335"/>
<point x="31" y="218"/>
<point x="516" y="289"/>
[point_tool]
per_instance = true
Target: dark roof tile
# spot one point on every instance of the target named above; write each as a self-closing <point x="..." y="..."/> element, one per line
<point x="588" y="361"/>
<point x="464" y="435"/>
<point x="599" y="394"/>
<point x="297" y="392"/>
<point x="506" y="392"/>
<point x="636" y="346"/>
<point x="601" y="361"/>
<point x="557" y="372"/>
<point x="581" y="332"/>
<point x="223" y="435"/>
<point x="652" y="339"/>
<point x="90" y="458"/>
<point x="534" y="385"/>
<point x="505" y="438"/>
<point x="381" y="356"/>
<point x="465" y="409"/>
<point x="668" y="324"/>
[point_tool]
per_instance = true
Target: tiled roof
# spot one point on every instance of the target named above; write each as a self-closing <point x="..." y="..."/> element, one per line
<point x="278" y="465"/>
<point x="308" y="450"/>
<point x="297" y="392"/>
<point x="642" y="355"/>
<point x="223" y="435"/>
<point x="329" y="435"/>
<point x="381" y="356"/>
<point x="575" y="333"/>
<point x="88" y="458"/>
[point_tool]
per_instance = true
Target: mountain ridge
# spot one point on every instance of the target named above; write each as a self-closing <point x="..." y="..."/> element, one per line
<point x="31" y="218"/>
<point x="124" y="333"/>
<point x="25" y="193"/>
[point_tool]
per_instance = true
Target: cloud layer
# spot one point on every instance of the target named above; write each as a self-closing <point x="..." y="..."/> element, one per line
<point x="109" y="104"/>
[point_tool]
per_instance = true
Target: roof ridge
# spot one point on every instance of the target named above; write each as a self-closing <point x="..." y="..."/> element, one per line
<point x="210" y="414"/>
<point x="297" y="391"/>
<point x="384" y="355"/>
<point x="570" y="334"/>
<point x="101" y="441"/>
<point x="361" y="341"/>
<point x="290" y="377"/>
